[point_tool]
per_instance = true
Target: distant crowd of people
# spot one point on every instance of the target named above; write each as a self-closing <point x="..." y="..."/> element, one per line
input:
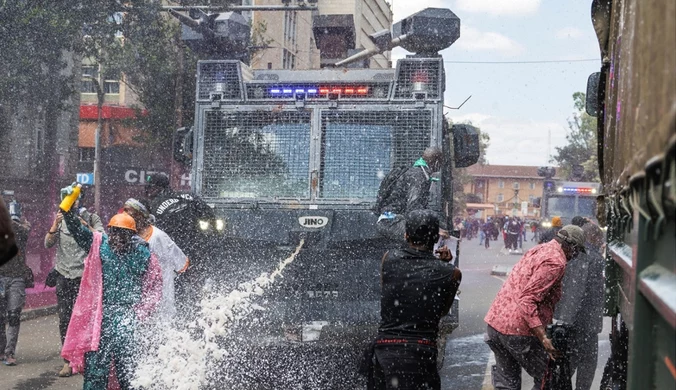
<point x="513" y="230"/>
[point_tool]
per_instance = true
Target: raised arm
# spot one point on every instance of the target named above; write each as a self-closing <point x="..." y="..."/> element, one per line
<point x="52" y="235"/>
<point x="83" y="236"/>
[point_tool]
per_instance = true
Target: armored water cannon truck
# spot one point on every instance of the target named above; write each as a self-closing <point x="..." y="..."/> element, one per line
<point x="297" y="156"/>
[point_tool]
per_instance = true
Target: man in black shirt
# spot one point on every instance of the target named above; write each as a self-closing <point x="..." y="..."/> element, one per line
<point x="182" y="217"/>
<point x="417" y="290"/>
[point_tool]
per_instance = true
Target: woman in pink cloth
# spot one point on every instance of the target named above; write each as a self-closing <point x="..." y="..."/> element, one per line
<point x="102" y="328"/>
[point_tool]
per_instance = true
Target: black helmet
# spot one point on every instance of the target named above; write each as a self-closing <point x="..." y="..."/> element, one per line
<point x="157" y="179"/>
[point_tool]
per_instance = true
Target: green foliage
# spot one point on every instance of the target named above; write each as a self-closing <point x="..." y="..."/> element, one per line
<point x="581" y="147"/>
<point x="132" y="38"/>
<point x="33" y="38"/>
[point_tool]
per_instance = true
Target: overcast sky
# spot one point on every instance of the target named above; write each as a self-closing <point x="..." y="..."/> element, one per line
<point x="516" y="104"/>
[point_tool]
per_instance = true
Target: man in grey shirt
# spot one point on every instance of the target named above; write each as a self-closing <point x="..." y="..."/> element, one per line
<point x="69" y="266"/>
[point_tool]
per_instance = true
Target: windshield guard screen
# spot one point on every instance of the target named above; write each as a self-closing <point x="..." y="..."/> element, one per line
<point x="564" y="206"/>
<point x="266" y="155"/>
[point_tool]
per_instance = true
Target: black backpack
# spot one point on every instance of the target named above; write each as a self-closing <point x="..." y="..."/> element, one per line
<point x="387" y="187"/>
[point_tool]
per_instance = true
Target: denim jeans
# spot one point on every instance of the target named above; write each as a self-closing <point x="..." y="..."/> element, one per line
<point x="12" y="299"/>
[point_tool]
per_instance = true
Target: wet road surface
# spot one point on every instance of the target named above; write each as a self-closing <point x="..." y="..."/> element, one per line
<point x="467" y="356"/>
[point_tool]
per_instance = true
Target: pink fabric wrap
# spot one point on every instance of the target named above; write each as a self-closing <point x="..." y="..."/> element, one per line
<point x="152" y="290"/>
<point x="84" y="329"/>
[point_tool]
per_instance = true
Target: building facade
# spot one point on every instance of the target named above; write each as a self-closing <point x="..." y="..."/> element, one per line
<point x="319" y="38"/>
<point x="506" y="188"/>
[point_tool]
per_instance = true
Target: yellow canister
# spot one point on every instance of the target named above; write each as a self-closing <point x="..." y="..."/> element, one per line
<point x="69" y="200"/>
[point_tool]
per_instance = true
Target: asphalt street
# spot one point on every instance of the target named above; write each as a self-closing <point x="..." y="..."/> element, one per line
<point x="468" y="359"/>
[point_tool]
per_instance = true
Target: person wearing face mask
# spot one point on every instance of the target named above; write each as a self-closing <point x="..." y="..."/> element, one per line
<point x="103" y="323"/>
<point x="524" y="307"/>
<point x="171" y="258"/>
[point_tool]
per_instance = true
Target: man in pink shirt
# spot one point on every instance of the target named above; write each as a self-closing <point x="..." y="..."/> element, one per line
<point x="524" y="307"/>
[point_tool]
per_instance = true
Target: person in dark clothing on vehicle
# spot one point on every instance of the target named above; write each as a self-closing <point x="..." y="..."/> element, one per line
<point x="550" y="233"/>
<point x="417" y="290"/>
<point x="581" y="305"/>
<point x="410" y="191"/>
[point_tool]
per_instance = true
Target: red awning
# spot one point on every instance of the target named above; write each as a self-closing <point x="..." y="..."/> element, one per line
<point x="90" y="111"/>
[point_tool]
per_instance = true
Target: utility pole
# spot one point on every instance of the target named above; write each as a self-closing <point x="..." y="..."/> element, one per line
<point x="97" y="145"/>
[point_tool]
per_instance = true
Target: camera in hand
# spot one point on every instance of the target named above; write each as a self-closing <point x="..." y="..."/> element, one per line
<point x="560" y="333"/>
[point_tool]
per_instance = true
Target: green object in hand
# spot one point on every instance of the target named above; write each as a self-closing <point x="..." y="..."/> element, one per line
<point x="65" y="191"/>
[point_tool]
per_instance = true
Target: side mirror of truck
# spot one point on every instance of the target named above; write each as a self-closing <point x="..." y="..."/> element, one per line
<point x="592" y="103"/>
<point x="465" y="145"/>
<point x="183" y="140"/>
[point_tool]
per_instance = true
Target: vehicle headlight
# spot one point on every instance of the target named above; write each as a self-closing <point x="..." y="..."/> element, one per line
<point x="546" y="224"/>
<point x="204" y="225"/>
<point x="220" y="225"/>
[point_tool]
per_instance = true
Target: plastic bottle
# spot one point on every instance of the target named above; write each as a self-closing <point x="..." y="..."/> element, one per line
<point x="69" y="200"/>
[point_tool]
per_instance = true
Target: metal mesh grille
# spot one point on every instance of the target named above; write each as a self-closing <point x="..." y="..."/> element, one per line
<point x="418" y="76"/>
<point x="221" y="78"/>
<point x="360" y="148"/>
<point x="257" y="154"/>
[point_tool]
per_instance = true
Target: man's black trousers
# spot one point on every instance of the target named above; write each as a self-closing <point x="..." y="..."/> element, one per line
<point x="406" y="366"/>
<point x="66" y="293"/>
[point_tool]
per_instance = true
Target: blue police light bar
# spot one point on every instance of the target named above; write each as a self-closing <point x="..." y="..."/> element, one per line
<point x="321" y="91"/>
<point x="584" y="190"/>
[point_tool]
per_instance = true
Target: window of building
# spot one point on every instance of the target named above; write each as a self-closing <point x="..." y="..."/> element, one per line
<point x="501" y="184"/>
<point x="39" y="139"/>
<point x="290" y="24"/>
<point x="531" y="198"/>
<point x="87" y="154"/>
<point x="269" y="65"/>
<point x="89" y="72"/>
<point x="516" y="185"/>
<point x="532" y="185"/>
<point x="288" y="60"/>
<point x="500" y="198"/>
<point x="111" y="82"/>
